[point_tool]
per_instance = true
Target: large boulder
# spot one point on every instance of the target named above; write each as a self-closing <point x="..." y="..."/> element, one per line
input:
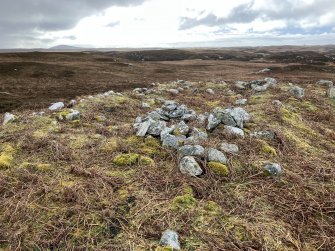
<point x="189" y="166"/>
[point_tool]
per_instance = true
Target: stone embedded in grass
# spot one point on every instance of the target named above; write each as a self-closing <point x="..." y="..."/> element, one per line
<point x="56" y="106"/>
<point x="325" y="82"/>
<point x="241" y="101"/>
<point x="210" y="91"/>
<point x="272" y="169"/>
<point x="216" y="156"/>
<point x="170" y="239"/>
<point x="191" y="150"/>
<point x="297" y="92"/>
<point x="277" y="103"/>
<point x="8" y="118"/>
<point x="229" y="148"/>
<point x="239" y="115"/>
<point x="73" y="115"/>
<point x="218" y="168"/>
<point x="263" y="134"/>
<point x="234" y="131"/>
<point x="145" y="105"/>
<point x="189" y="166"/>
<point x="241" y="84"/>
<point x="201" y="119"/>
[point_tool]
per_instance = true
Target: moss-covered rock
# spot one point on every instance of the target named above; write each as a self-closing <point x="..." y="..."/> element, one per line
<point x="218" y="168"/>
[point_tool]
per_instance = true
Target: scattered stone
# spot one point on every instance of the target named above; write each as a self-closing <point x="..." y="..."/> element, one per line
<point x="8" y="118"/>
<point x="326" y="82"/>
<point x="272" y="169"/>
<point x="263" y="134"/>
<point x="169" y="239"/>
<point x="189" y="166"/>
<point x="331" y="92"/>
<point x="72" y="115"/>
<point x="210" y="91"/>
<point x="56" y="106"/>
<point x="216" y="156"/>
<point x="173" y="91"/>
<point x="265" y="70"/>
<point x="297" y="92"/>
<point x="145" y="105"/>
<point x="234" y="131"/>
<point x="241" y="101"/>
<point x="191" y="150"/>
<point x="181" y="129"/>
<point x="277" y="102"/>
<point x="271" y="81"/>
<point x="241" y="84"/>
<point x="72" y="103"/>
<point x="229" y="148"/>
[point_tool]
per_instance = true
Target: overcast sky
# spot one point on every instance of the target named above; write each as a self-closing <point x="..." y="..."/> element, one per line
<point x="165" y="23"/>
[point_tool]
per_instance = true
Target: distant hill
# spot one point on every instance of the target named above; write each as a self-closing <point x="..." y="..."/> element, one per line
<point x="64" y="47"/>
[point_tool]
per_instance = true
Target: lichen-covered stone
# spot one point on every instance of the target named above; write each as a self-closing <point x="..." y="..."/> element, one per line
<point x="191" y="150"/>
<point x="263" y="134"/>
<point x="216" y="156"/>
<point x="218" y="168"/>
<point x="213" y="122"/>
<point x="170" y="239"/>
<point x="181" y="129"/>
<point x="229" y="148"/>
<point x="189" y="166"/>
<point x="272" y="169"/>
<point x="173" y="141"/>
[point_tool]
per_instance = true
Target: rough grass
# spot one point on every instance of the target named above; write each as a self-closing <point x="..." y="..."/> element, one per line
<point x="63" y="191"/>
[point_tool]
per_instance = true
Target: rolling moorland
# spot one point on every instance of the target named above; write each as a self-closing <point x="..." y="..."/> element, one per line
<point x="230" y="149"/>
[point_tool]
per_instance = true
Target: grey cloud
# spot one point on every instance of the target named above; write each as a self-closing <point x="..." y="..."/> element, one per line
<point x="288" y="10"/>
<point x="24" y="18"/>
<point x="113" y="24"/>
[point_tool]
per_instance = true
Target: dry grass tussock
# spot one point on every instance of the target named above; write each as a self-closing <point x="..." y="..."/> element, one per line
<point x="61" y="189"/>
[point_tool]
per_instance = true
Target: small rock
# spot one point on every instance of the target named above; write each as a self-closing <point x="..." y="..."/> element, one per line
<point x="143" y="128"/>
<point x="265" y="70"/>
<point x="326" y="82"/>
<point x="213" y="122"/>
<point x="229" y="148"/>
<point x="56" y="106"/>
<point x="182" y="128"/>
<point x="73" y="115"/>
<point x="191" y="150"/>
<point x="263" y="134"/>
<point x="234" y="131"/>
<point x="8" y="117"/>
<point x="272" y="169"/>
<point x="271" y="81"/>
<point x="189" y="166"/>
<point x="145" y="105"/>
<point x="216" y="156"/>
<point x="241" y="101"/>
<point x="297" y="92"/>
<point x="170" y="239"/>
<point x="331" y="92"/>
<point x="173" y="91"/>
<point x="277" y="102"/>
<point x="173" y="141"/>
<point x="241" y="84"/>
<point x="210" y="91"/>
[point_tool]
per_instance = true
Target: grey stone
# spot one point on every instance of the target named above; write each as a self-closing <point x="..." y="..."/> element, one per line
<point x="170" y="239"/>
<point x="229" y="148"/>
<point x="213" y="122"/>
<point x="240" y="116"/>
<point x="73" y="115"/>
<point x="166" y="131"/>
<point x="271" y="81"/>
<point x="263" y="134"/>
<point x="56" y="106"/>
<point x="72" y="103"/>
<point x="331" y="92"/>
<point x="202" y="119"/>
<point x="241" y="84"/>
<point x="191" y="150"/>
<point x="145" y="105"/>
<point x="182" y="128"/>
<point x="325" y="82"/>
<point x="156" y="127"/>
<point x="241" y="101"/>
<point x="210" y="91"/>
<point x="216" y="155"/>
<point x="189" y="116"/>
<point x="197" y="137"/>
<point x="234" y="131"/>
<point x="170" y="105"/>
<point x="173" y="141"/>
<point x="8" y="118"/>
<point x="38" y="113"/>
<point x="297" y="92"/>
<point x="143" y="128"/>
<point x="189" y="166"/>
<point x="272" y="169"/>
<point x="173" y="91"/>
<point x="277" y="102"/>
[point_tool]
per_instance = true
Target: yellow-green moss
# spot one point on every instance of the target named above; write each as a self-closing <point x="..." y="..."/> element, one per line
<point x="268" y="149"/>
<point x="213" y="103"/>
<point x="212" y="207"/>
<point x="7" y="157"/>
<point x="126" y="159"/>
<point x="111" y="145"/>
<point x="43" y="167"/>
<point x="218" y="168"/>
<point x="186" y="201"/>
<point x="146" y="161"/>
